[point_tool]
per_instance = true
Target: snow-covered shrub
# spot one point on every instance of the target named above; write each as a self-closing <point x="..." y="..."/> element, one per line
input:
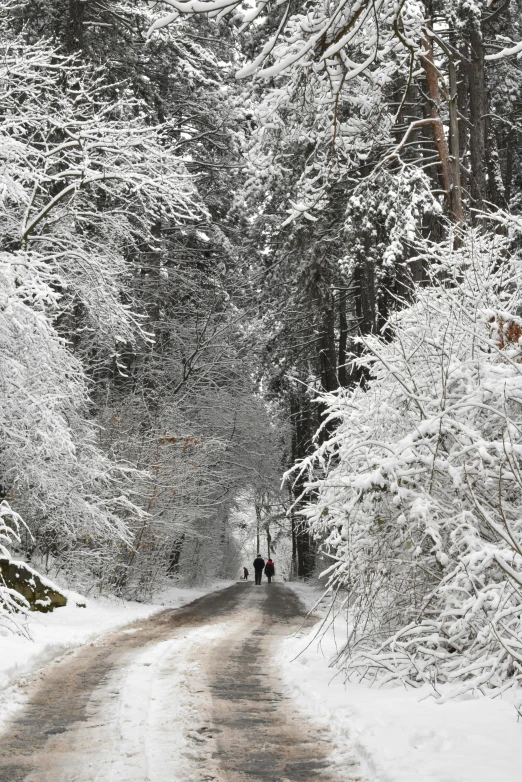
<point x="418" y="493"/>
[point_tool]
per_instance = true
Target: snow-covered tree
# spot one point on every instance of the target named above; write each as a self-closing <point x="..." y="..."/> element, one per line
<point x="417" y="493"/>
<point x="84" y="181"/>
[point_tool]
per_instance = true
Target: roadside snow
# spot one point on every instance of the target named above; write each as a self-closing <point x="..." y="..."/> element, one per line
<point x="396" y="735"/>
<point x="69" y="627"/>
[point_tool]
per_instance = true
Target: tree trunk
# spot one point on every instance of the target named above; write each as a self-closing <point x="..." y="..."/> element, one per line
<point x="448" y="165"/>
<point x="364" y="278"/>
<point x="258" y="528"/>
<point x="496" y="189"/>
<point x="463" y="122"/>
<point x="456" y="193"/>
<point x="327" y="353"/>
<point x="343" y="341"/>
<point x="294" y="545"/>
<point x="301" y="443"/>
<point x="510" y="140"/>
<point x="75" y="27"/>
<point x="305" y="554"/>
<point x="477" y="115"/>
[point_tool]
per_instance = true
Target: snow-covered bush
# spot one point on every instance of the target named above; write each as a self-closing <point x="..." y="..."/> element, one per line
<point x="418" y="493"/>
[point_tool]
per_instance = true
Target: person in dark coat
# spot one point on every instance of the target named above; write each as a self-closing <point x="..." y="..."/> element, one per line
<point x="245" y="573"/>
<point x="269" y="570"/>
<point x="259" y="564"/>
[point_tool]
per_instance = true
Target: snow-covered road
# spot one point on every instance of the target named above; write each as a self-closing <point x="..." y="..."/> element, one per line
<point x="190" y="695"/>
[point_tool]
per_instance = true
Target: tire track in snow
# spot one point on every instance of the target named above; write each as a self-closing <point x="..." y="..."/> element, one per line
<point x="189" y="695"/>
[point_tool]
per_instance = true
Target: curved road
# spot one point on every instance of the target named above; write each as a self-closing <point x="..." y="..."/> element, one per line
<point x="190" y="695"/>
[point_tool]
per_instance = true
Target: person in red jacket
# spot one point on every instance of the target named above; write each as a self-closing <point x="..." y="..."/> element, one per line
<point x="269" y="570"/>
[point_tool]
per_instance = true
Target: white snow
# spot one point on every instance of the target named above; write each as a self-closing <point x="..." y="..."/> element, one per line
<point x="66" y="628"/>
<point x="379" y="735"/>
<point x="396" y="735"/>
<point x="156" y="706"/>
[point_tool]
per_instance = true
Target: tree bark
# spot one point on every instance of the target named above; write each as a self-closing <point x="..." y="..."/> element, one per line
<point x="456" y="193"/>
<point x="510" y="140"/>
<point x="258" y="528"/>
<point x="496" y="189"/>
<point x="74" y="38"/>
<point x="477" y="115"/>
<point x="343" y="342"/>
<point x="304" y="551"/>
<point x="294" y="545"/>
<point x="327" y="353"/>
<point x="364" y="278"/>
<point x="449" y="165"/>
<point x="463" y="122"/>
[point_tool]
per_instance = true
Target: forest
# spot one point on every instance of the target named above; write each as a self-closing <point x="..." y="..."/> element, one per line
<point x="261" y="280"/>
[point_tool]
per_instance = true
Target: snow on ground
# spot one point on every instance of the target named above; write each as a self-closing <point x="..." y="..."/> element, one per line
<point x="398" y="736"/>
<point x="140" y="725"/>
<point x="162" y="695"/>
<point x="66" y="628"/>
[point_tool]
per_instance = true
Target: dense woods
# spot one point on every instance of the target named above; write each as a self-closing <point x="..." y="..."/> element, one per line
<point x="260" y="273"/>
<point x="132" y="415"/>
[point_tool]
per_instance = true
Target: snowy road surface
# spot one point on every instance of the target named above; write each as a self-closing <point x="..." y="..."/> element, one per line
<point x="189" y="695"/>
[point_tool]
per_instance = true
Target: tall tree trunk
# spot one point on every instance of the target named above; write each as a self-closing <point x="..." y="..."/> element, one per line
<point x="343" y="341"/>
<point x="75" y="27"/>
<point x="449" y="166"/>
<point x="496" y="189"/>
<point x="463" y="121"/>
<point x="327" y="353"/>
<point x="364" y="278"/>
<point x="258" y="528"/>
<point x="510" y="141"/>
<point x="301" y="443"/>
<point x="477" y="115"/>
<point x="294" y="544"/>
<point x="456" y="192"/>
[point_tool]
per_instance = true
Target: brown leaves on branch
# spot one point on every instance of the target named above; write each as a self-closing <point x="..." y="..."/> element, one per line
<point x="507" y="333"/>
<point x="187" y="441"/>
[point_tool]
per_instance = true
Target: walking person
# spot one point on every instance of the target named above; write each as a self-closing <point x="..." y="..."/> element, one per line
<point x="245" y="573"/>
<point x="269" y="570"/>
<point x="259" y="564"/>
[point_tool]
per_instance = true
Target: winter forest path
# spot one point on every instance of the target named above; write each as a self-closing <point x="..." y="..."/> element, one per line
<point x="190" y="695"/>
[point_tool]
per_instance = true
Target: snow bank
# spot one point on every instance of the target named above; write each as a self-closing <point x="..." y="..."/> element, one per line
<point x="72" y="626"/>
<point x="397" y="736"/>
